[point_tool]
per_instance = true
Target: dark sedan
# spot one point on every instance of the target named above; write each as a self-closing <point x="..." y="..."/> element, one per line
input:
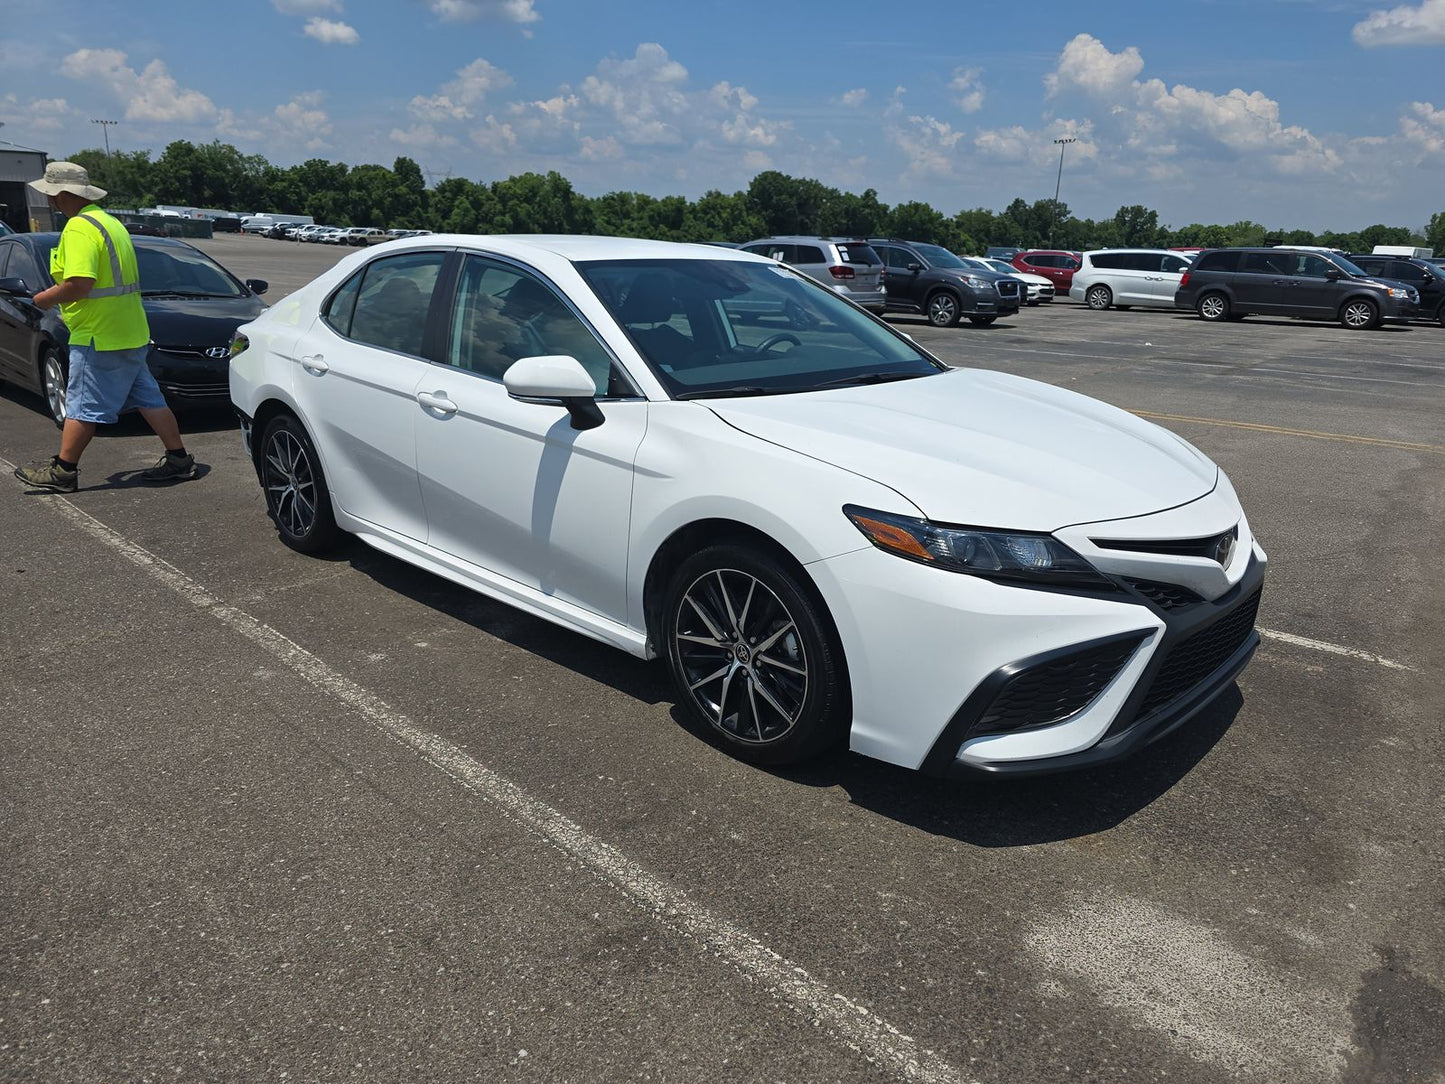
<point x="192" y="302"/>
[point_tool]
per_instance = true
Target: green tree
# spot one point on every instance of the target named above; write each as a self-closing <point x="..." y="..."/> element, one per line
<point x="533" y="203"/>
<point x="1137" y="226"/>
<point x="845" y="214"/>
<point x="125" y="175"/>
<point x="721" y="217"/>
<point x="787" y="204"/>
<point x="916" y="221"/>
<point x="1435" y="233"/>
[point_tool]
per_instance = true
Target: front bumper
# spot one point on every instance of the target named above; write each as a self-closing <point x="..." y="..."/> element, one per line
<point x="188" y="378"/>
<point x="955" y="674"/>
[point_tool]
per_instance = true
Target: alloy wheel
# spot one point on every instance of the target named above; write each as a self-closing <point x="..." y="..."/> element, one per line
<point x="741" y="653"/>
<point x="53" y="378"/>
<point x="942" y="310"/>
<point x="290" y="484"/>
<point x="1359" y="314"/>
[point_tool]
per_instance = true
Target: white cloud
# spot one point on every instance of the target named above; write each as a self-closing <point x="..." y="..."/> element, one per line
<point x="471" y="85"/>
<point x="601" y="150"/>
<point x="330" y="32"/>
<point x="494" y="136"/>
<point x="1037" y="148"/>
<point x="1426" y="129"/>
<point x="1405" y="25"/>
<point x="929" y="144"/>
<point x="1087" y="65"/>
<point x="299" y="123"/>
<point x="149" y="95"/>
<point x="421" y="137"/>
<point x="854" y="98"/>
<point x="38" y="114"/>
<point x="724" y="94"/>
<point x="521" y="12"/>
<point x="644" y="94"/>
<point x="305" y="7"/>
<point x="968" y="87"/>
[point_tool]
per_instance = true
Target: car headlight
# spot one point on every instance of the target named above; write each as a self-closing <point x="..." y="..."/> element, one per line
<point x="239" y="343"/>
<point x="1402" y="293"/>
<point x="1000" y="555"/>
<point x="976" y="282"/>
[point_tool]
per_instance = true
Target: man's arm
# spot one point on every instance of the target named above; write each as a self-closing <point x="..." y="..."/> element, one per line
<point x="63" y="293"/>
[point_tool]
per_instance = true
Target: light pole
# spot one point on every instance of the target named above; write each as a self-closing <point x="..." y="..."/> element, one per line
<point x="1062" y="143"/>
<point x="106" y="125"/>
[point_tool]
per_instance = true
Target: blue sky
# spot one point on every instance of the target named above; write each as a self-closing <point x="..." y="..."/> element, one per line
<point x="1310" y="114"/>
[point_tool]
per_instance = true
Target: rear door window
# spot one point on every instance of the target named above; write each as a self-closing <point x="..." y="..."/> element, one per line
<point x="807" y="254"/>
<point x="395" y="298"/>
<point x="1217" y="261"/>
<point x="858" y="252"/>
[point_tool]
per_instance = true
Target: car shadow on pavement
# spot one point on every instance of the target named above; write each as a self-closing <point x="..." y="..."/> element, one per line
<point x="1016" y="812"/>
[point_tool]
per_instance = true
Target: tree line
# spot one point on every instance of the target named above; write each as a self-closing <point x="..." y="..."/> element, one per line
<point x="217" y="175"/>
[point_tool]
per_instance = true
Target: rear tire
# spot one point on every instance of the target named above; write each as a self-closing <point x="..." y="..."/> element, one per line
<point x="297" y="498"/>
<point x="1099" y="297"/>
<point x="1213" y="307"/>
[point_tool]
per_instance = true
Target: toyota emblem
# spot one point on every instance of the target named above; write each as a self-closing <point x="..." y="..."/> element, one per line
<point x="1224" y="549"/>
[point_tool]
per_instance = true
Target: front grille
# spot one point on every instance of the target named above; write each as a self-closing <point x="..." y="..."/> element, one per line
<point x="1167" y="596"/>
<point x="196" y="391"/>
<point x="1008" y="288"/>
<point x="1052" y="691"/>
<point x="1194" y="659"/>
<point x="189" y="352"/>
<point x="1174" y="547"/>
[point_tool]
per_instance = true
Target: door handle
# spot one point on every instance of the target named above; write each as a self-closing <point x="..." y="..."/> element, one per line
<point x="436" y="401"/>
<point x="315" y="363"/>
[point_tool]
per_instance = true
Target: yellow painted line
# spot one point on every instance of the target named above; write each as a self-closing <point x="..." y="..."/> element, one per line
<point x="1314" y="434"/>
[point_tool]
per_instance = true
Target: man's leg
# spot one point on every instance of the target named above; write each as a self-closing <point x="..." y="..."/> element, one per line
<point x="74" y="438"/>
<point x="163" y="421"/>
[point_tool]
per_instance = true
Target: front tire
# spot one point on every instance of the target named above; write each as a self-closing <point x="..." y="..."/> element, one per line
<point x="54" y="377"/>
<point x="297" y="498"/>
<point x="1213" y="307"/>
<point x="754" y="656"/>
<point x="943" y="309"/>
<point x="1359" y="314"/>
<point x="1099" y="297"/>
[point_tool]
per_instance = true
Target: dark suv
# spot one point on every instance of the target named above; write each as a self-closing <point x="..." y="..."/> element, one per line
<point x="1231" y="283"/>
<point x="931" y="280"/>
<point x="1426" y="277"/>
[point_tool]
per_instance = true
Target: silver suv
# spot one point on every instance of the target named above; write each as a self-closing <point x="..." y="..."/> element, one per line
<point x="848" y="266"/>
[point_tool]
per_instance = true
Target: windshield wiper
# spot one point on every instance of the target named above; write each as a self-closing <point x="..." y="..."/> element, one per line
<point x="868" y="378"/>
<point x="181" y="293"/>
<point x="728" y="393"/>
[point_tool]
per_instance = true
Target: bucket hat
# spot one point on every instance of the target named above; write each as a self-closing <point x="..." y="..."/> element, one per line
<point x="67" y="177"/>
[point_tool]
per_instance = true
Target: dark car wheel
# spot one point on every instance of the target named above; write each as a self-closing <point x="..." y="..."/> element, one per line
<point x="943" y="309"/>
<point x="1213" y="306"/>
<point x="1440" y="314"/>
<point x="1098" y="297"/>
<point x="981" y="321"/>
<point x="754" y="656"/>
<point x="1359" y="314"/>
<point x="54" y="376"/>
<point x="297" y="499"/>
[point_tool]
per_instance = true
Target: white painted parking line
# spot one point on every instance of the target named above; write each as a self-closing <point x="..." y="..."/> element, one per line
<point x="852" y="1024"/>
<point x="1333" y="649"/>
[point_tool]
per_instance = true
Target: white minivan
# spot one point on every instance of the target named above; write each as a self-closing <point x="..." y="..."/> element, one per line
<point x="1125" y="277"/>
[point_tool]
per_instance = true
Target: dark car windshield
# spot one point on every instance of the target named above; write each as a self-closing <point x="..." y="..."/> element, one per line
<point x="725" y="327"/>
<point x="940" y="257"/>
<point x="183" y="270"/>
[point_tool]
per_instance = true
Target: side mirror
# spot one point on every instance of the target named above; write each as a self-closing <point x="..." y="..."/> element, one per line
<point x="915" y="267"/>
<point x="556" y="378"/>
<point x="1334" y="274"/>
<point x="257" y="286"/>
<point x="15" y="287"/>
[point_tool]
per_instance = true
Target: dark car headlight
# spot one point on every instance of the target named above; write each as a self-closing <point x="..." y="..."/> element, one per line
<point x="999" y="555"/>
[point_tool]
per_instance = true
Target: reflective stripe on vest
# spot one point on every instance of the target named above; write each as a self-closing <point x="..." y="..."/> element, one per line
<point x="120" y="287"/>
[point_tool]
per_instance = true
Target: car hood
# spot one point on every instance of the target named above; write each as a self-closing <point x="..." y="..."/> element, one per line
<point x="987" y="449"/>
<point x="200" y="322"/>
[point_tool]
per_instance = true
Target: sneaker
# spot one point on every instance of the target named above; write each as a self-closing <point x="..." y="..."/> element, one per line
<point x="171" y="469"/>
<point x="51" y="476"/>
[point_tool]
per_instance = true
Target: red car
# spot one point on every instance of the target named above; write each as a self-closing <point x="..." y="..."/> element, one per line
<point x="1054" y="264"/>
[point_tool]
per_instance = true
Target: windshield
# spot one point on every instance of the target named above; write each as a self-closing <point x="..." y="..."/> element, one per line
<point x="183" y="271"/>
<point x="939" y="256"/>
<point x="1346" y="265"/>
<point x="723" y="327"/>
<point x="1002" y="267"/>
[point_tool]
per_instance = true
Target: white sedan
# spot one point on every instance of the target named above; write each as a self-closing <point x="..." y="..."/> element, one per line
<point x="826" y="533"/>
<point x="1040" y="288"/>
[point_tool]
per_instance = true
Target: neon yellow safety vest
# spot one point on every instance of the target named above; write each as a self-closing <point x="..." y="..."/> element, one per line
<point x="96" y="246"/>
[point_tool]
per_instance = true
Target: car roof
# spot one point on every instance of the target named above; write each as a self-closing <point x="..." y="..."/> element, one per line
<point x="576" y="248"/>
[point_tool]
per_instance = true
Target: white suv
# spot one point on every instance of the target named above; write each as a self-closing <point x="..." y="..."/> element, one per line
<point x="1125" y="277"/>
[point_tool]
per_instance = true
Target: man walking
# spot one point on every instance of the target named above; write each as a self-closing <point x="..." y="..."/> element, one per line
<point x="97" y="286"/>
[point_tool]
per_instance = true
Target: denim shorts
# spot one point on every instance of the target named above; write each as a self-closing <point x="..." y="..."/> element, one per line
<point x="104" y="384"/>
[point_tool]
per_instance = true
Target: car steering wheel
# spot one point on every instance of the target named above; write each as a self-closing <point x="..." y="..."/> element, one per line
<point x="773" y="340"/>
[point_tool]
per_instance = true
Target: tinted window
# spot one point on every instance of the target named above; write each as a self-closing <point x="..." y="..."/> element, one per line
<point x="22" y="266"/>
<point x="1268" y="263"/>
<point x="1217" y="261"/>
<point x="503" y="313"/>
<point x="807" y="254"/>
<point x="182" y="270"/>
<point x="1174" y="265"/>
<point x="899" y="257"/>
<point x="1313" y="267"/>
<point x="1400" y="269"/>
<point x="391" y="309"/>
<point x="857" y="252"/>
<point x="339" y="309"/>
<point x="1041" y="261"/>
<point x="1109" y="261"/>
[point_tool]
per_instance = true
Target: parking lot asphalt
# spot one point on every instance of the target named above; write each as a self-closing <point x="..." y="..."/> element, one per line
<point x="268" y="816"/>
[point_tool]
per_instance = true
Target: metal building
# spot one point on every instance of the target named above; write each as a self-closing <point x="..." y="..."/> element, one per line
<point x="21" y="207"/>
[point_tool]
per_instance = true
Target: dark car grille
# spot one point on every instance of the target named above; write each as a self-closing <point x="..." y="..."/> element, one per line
<point x="190" y="352"/>
<point x="1195" y="658"/>
<point x="1052" y="691"/>
<point x="1167" y="596"/>
<point x="1008" y="288"/>
<point x="195" y="391"/>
